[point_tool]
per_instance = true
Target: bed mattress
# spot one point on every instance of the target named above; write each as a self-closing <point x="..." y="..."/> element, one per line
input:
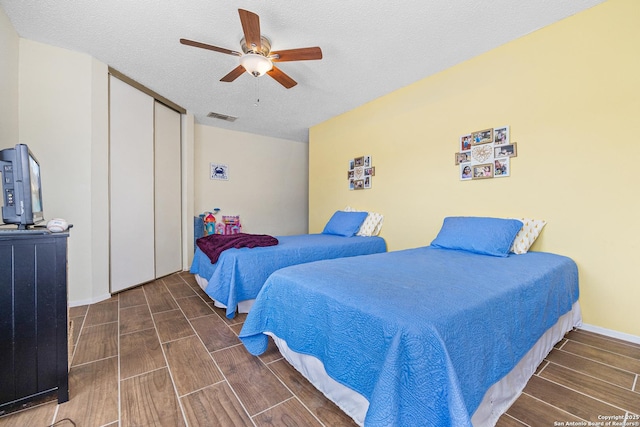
<point x="421" y="334"/>
<point x="498" y="398"/>
<point x="239" y="274"/>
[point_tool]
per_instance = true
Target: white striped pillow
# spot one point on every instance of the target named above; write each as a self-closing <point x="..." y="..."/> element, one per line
<point x="528" y="234"/>
<point x="371" y="225"/>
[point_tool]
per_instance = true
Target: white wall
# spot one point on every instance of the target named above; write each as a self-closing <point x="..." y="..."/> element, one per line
<point x="9" y="46"/>
<point x="63" y="118"/>
<point x="268" y="180"/>
<point x="57" y="102"/>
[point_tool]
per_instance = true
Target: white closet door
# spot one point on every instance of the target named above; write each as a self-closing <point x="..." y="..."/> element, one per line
<point x="131" y="186"/>
<point x="168" y="195"/>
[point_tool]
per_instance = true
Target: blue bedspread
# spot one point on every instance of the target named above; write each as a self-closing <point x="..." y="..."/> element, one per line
<point x="420" y="333"/>
<point x="239" y="274"/>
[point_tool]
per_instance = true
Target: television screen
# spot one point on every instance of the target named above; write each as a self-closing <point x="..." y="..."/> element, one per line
<point x="36" y="192"/>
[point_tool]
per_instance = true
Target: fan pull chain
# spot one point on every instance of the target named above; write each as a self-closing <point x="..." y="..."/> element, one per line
<point x="257" y="103"/>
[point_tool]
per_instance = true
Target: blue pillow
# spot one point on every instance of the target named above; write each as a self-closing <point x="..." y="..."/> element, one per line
<point x="345" y="223"/>
<point x="480" y="235"/>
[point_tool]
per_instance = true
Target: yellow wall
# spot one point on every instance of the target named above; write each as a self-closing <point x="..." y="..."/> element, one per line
<point x="570" y="93"/>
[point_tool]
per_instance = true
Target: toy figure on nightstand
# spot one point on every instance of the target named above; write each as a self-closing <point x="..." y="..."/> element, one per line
<point x="232" y="224"/>
<point x="209" y="224"/>
<point x="220" y="228"/>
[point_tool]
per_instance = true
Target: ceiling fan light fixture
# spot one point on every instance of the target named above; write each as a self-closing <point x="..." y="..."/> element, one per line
<point x="256" y="57"/>
<point x="255" y="64"/>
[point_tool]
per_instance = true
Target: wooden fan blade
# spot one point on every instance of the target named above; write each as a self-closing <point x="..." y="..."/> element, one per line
<point x="282" y="78"/>
<point x="251" y="27"/>
<point x="210" y="47"/>
<point x="234" y="74"/>
<point x="302" y="54"/>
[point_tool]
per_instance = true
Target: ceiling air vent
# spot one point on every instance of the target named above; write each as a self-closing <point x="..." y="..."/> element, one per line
<point x="222" y="117"/>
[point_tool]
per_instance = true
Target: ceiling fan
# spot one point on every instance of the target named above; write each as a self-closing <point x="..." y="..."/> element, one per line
<point x="256" y="57"/>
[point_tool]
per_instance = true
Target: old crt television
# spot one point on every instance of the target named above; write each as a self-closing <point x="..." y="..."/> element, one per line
<point x="21" y="187"/>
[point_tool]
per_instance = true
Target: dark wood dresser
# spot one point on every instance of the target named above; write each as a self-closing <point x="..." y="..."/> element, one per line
<point x="33" y="317"/>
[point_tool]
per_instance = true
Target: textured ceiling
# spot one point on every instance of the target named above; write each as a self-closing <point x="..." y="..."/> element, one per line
<point x="370" y="48"/>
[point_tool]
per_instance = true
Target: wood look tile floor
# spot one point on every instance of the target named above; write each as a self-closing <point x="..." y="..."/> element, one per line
<point x="162" y="355"/>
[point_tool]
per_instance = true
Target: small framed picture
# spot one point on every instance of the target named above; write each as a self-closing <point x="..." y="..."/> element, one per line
<point x="482" y="171"/>
<point x="351" y="164"/>
<point x="482" y="153"/>
<point x="370" y="171"/>
<point x="358" y="184"/>
<point x="219" y="171"/>
<point x="501" y="135"/>
<point x="501" y="168"/>
<point x="482" y="137"/>
<point x="350" y="174"/>
<point x="507" y="150"/>
<point x="367" y="182"/>
<point x="465" y="142"/>
<point x="463" y="157"/>
<point x="465" y="172"/>
<point x="359" y="161"/>
<point x="351" y="185"/>
<point x="367" y="161"/>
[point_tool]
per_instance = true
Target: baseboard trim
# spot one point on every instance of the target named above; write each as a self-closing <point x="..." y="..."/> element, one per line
<point x="89" y="301"/>
<point x="611" y="333"/>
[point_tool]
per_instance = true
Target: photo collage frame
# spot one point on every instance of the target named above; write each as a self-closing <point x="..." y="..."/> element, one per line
<point x="485" y="154"/>
<point x="361" y="172"/>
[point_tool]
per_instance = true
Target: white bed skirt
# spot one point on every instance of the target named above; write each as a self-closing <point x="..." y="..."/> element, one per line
<point x="496" y="401"/>
<point x="243" y="306"/>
